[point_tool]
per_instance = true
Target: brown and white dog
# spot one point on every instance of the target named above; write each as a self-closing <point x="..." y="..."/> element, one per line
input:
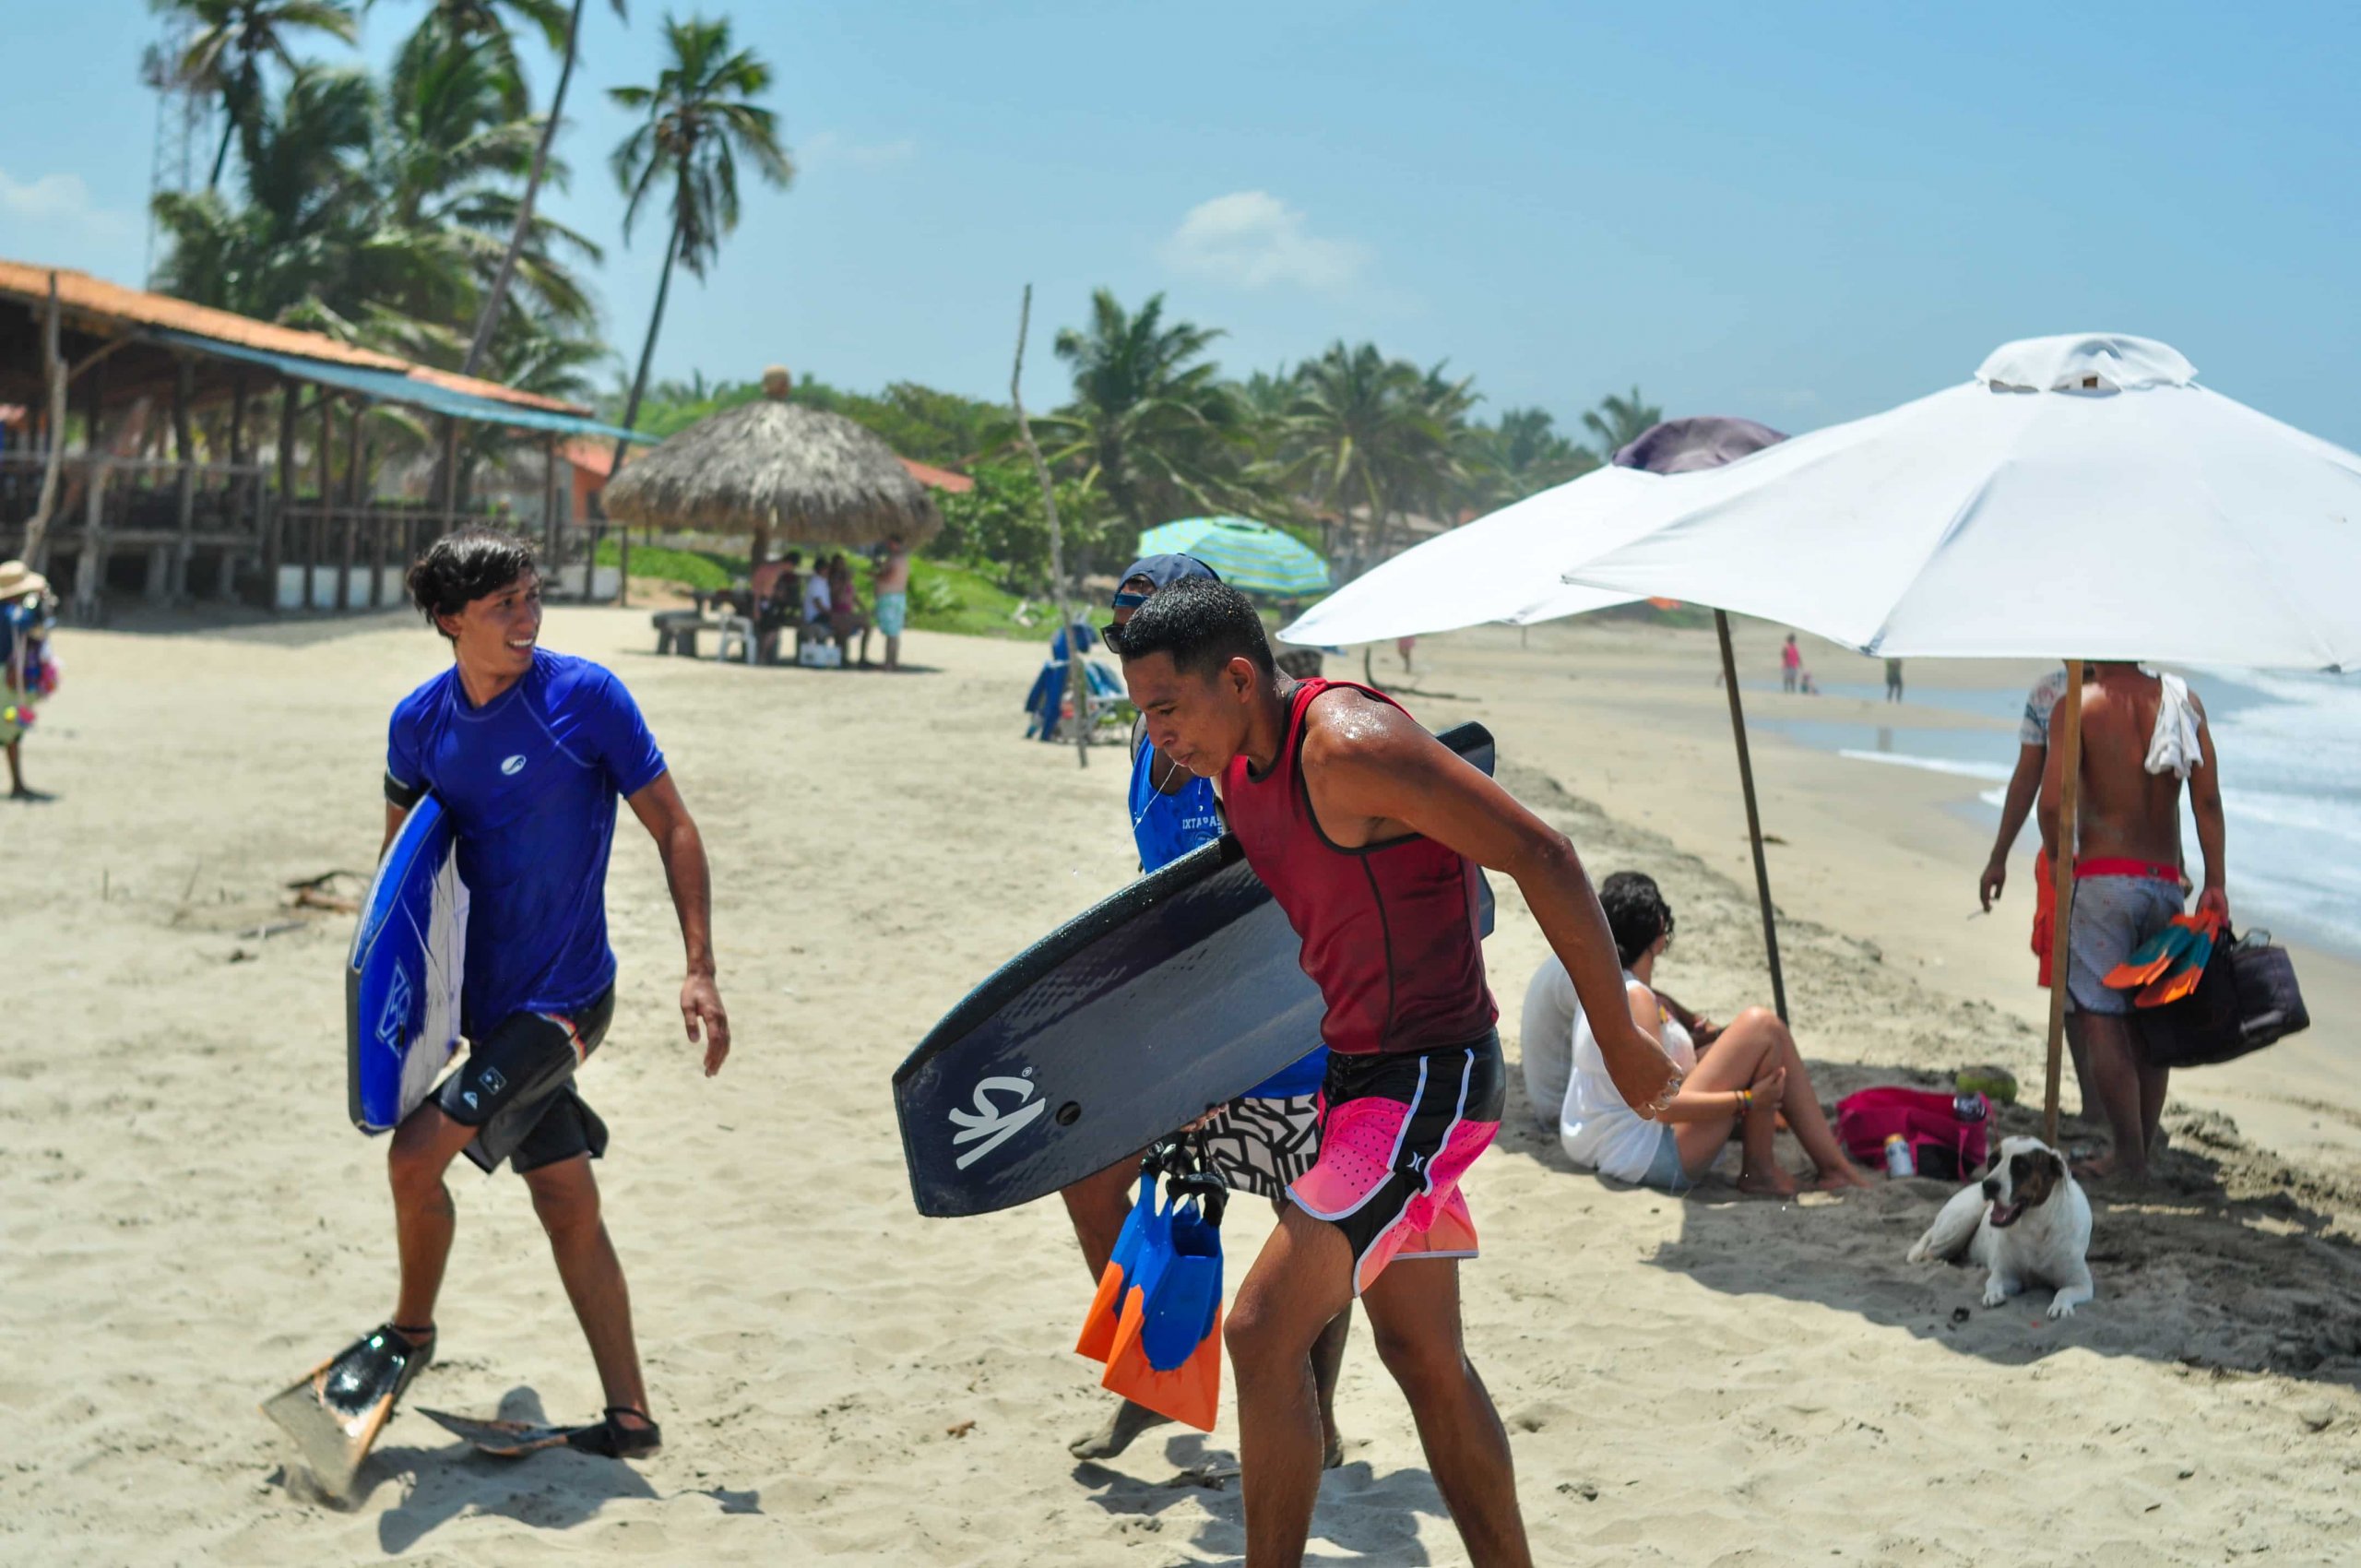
<point x="2027" y="1222"/>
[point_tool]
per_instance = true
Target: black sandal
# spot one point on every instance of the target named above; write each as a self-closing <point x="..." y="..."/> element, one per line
<point x="610" y="1438"/>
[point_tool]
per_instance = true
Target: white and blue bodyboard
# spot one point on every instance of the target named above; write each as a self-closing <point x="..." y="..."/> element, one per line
<point x="401" y="985"/>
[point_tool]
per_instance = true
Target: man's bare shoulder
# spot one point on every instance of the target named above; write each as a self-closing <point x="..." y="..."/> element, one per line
<point x="1349" y="728"/>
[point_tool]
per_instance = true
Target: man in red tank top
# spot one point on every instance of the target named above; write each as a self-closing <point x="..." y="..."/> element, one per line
<point x="1367" y="831"/>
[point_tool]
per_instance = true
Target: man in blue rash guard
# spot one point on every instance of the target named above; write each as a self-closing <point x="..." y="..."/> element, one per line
<point x="1260" y="1141"/>
<point x="528" y="751"/>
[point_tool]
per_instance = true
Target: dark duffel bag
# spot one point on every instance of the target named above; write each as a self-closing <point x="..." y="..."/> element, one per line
<point x="2245" y="1000"/>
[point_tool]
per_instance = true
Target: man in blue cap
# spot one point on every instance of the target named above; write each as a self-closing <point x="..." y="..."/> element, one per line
<point x="1267" y="1137"/>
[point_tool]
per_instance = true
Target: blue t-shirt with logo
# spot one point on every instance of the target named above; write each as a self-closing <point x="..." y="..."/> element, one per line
<point x="1166" y="828"/>
<point x="530" y="781"/>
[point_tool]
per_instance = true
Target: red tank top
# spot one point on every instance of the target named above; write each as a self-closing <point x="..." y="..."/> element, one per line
<point x="1389" y="930"/>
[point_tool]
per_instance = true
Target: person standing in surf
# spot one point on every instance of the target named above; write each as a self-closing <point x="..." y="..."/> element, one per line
<point x="528" y="751"/>
<point x="1260" y="1141"/>
<point x="1367" y="832"/>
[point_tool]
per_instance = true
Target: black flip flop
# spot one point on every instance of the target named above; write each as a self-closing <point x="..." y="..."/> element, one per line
<point x="612" y="1440"/>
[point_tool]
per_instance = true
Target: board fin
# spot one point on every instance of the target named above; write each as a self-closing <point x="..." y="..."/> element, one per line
<point x="335" y="1411"/>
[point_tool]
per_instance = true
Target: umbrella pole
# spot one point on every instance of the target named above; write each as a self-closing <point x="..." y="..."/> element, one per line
<point x="1077" y="665"/>
<point x="1753" y="818"/>
<point x="2062" y="873"/>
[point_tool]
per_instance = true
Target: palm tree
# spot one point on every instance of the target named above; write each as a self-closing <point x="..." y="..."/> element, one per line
<point x="1369" y="432"/>
<point x="236" y="36"/>
<point x="1619" y="422"/>
<point x="496" y="298"/>
<point x="701" y="119"/>
<point x="1150" y="426"/>
<point x="1523" y="456"/>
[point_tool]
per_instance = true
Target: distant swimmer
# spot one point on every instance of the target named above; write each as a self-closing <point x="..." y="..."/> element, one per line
<point x="1367" y="832"/>
<point x="1260" y="1141"/>
<point x="528" y="751"/>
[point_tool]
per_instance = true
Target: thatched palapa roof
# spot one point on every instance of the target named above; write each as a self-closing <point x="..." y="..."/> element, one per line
<point x="810" y="476"/>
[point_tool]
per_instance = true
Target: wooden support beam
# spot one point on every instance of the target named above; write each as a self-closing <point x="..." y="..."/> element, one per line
<point x="549" y="503"/>
<point x="349" y="526"/>
<point x="273" y="521"/>
<point x="316" y="529"/>
<point x="184" y="483"/>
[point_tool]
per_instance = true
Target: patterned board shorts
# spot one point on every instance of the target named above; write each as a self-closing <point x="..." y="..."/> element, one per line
<point x="1262" y="1145"/>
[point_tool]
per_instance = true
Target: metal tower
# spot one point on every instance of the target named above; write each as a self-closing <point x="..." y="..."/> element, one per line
<point x="185" y="119"/>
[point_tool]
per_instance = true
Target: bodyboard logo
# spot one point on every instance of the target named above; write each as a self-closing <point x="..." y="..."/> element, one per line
<point x="990" y="1123"/>
<point x="512" y="766"/>
<point x="393" y="1019"/>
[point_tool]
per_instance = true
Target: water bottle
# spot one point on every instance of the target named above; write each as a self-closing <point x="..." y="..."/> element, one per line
<point x="1897" y="1156"/>
<point x="1969" y="1107"/>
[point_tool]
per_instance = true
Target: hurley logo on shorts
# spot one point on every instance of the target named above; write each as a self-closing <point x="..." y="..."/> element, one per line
<point x="512" y="766"/>
<point x="989" y="1121"/>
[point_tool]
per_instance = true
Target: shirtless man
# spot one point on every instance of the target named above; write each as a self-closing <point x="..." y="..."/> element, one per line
<point x="2128" y="885"/>
<point x="1367" y="831"/>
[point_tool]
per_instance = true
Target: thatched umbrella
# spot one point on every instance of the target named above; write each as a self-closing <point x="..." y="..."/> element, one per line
<point x="777" y="470"/>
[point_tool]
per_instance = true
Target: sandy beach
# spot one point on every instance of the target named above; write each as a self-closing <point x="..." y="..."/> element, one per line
<point x="187" y="1221"/>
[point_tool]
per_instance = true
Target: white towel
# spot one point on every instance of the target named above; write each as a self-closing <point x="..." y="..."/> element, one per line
<point x="2173" y="748"/>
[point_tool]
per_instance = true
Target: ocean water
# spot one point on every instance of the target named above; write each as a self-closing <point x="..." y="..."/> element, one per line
<point x="2290" y="750"/>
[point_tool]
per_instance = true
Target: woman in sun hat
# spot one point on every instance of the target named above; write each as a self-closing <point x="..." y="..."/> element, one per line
<point x="28" y="670"/>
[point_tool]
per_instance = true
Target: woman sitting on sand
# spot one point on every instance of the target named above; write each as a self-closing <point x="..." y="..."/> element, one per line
<point x="1751" y="1074"/>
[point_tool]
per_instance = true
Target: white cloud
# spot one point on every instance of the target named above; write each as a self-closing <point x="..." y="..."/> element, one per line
<point x="830" y="147"/>
<point x="60" y="200"/>
<point x="1252" y="240"/>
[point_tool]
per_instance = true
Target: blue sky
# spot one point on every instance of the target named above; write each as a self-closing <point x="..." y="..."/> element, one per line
<point x="1799" y="213"/>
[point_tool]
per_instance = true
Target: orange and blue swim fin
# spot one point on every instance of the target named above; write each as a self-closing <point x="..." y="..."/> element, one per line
<point x="1166" y="1354"/>
<point x="1097" y="1340"/>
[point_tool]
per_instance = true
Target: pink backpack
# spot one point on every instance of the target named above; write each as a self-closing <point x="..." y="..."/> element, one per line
<point x="1944" y="1145"/>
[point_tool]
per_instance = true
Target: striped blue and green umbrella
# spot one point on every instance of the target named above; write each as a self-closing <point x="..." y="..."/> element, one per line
<point x="1249" y="555"/>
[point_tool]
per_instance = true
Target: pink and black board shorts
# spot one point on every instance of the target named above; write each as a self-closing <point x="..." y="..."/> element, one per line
<point x="1396" y="1134"/>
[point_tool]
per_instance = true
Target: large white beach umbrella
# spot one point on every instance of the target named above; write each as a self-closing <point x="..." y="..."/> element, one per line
<point x="2081" y="495"/>
<point x="1505" y="566"/>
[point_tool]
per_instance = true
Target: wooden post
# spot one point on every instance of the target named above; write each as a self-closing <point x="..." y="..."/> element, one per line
<point x="91" y="566"/>
<point x="1753" y="818"/>
<point x="54" y="363"/>
<point x="549" y="503"/>
<point x="235" y="507"/>
<point x="379" y="525"/>
<point x="450" y="477"/>
<point x="317" y="532"/>
<point x="274" y="521"/>
<point x="1077" y="672"/>
<point x="2070" y="737"/>
<point x="184" y="491"/>
<point x="349" y="530"/>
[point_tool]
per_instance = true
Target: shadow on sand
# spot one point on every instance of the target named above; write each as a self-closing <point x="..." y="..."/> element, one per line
<point x="1361" y="1517"/>
<point x="552" y="1490"/>
<point x="2229" y="1260"/>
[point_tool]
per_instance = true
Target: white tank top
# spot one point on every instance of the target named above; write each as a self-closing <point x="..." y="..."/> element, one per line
<point x="1597" y="1130"/>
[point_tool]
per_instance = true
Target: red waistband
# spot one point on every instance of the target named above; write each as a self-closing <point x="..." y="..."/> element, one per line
<point x="2108" y="865"/>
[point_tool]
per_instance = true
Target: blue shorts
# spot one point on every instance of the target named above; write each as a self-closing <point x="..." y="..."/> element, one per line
<point x="1666" y="1173"/>
<point x="893" y="611"/>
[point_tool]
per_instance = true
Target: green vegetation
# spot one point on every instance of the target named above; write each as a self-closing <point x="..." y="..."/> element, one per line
<point x="396" y="209"/>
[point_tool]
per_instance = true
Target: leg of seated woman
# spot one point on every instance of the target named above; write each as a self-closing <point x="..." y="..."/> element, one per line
<point x="1801" y="1103"/>
<point x="1733" y="1062"/>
